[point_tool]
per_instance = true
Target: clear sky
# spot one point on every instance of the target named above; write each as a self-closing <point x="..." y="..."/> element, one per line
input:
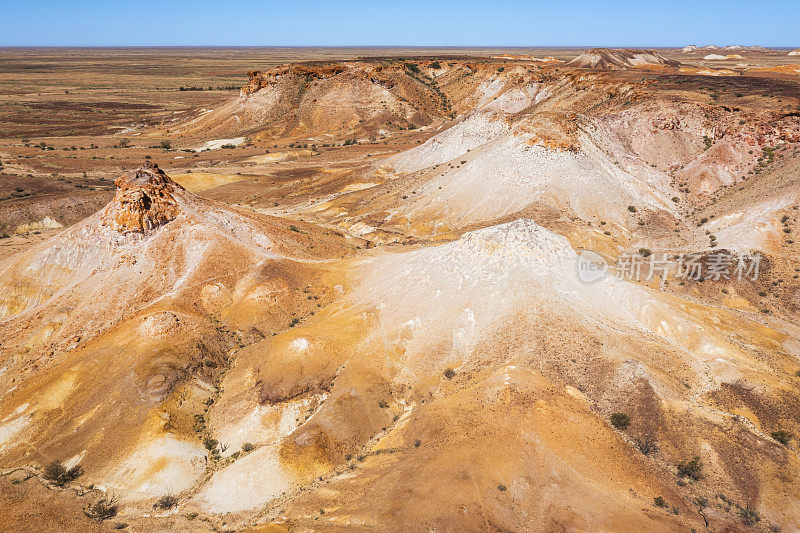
<point x="398" y="22"/>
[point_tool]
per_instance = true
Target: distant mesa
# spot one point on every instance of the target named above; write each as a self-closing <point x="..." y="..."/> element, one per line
<point x="355" y="98"/>
<point x="526" y="57"/>
<point x="693" y="49"/>
<point x="719" y="57"/>
<point x="607" y="58"/>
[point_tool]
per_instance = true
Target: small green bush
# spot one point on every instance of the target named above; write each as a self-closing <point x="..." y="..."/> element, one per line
<point x="749" y="516"/>
<point x="659" y="501"/>
<point x="620" y="420"/>
<point x="166" y="502"/>
<point x="166" y="145"/>
<point x="247" y="447"/>
<point x="692" y="469"/>
<point x="102" y="510"/>
<point x="782" y="436"/>
<point x="210" y="443"/>
<point x="449" y="373"/>
<point x="60" y="474"/>
<point x="647" y="444"/>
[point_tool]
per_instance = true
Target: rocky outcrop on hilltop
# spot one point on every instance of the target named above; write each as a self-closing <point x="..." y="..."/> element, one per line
<point x="143" y="201"/>
<point x="260" y="78"/>
<point x="606" y="58"/>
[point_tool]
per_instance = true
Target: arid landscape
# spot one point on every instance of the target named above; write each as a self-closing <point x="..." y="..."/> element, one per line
<point x="345" y="289"/>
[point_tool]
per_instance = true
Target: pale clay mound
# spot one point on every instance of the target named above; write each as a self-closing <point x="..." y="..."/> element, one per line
<point x="511" y="171"/>
<point x="472" y="132"/>
<point x="459" y="292"/>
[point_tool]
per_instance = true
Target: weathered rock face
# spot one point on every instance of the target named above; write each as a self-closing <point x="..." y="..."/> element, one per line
<point x="143" y="201"/>
<point x="259" y="79"/>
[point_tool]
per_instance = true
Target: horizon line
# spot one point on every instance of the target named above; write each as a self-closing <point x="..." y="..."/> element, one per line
<point x="411" y="46"/>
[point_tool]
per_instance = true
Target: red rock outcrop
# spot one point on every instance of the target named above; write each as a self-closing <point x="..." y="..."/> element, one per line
<point x="143" y="201"/>
<point x="259" y="79"/>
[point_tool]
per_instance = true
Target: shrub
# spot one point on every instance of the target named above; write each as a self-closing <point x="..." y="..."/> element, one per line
<point x="620" y="420"/>
<point x="210" y="443"/>
<point x="449" y="373"/>
<point x="435" y="65"/>
<point x="782" y="436"/>
<point x="501" y="487"/>
<point x="102" y="510"/>
<point x="647" y="444"/>
<point x="692" y="469"/>
<point x="659" y="501"/>
<point x="645" y="252"/>
<point x="749" y="516"/>
<point x="124" y="142"/>
<point x="166" y="145"/>
<point x="701" y="502"/>
<point x="60" y="474"/>
<point x="247" y="447"/>
<point x="707" y="141"/>
<point x="412" y="67"/>
<point x="632" y="208"/>
<point x="166" y="502"/>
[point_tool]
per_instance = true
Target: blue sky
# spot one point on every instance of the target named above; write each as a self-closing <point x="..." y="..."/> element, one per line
<point x="399" y="22"/>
